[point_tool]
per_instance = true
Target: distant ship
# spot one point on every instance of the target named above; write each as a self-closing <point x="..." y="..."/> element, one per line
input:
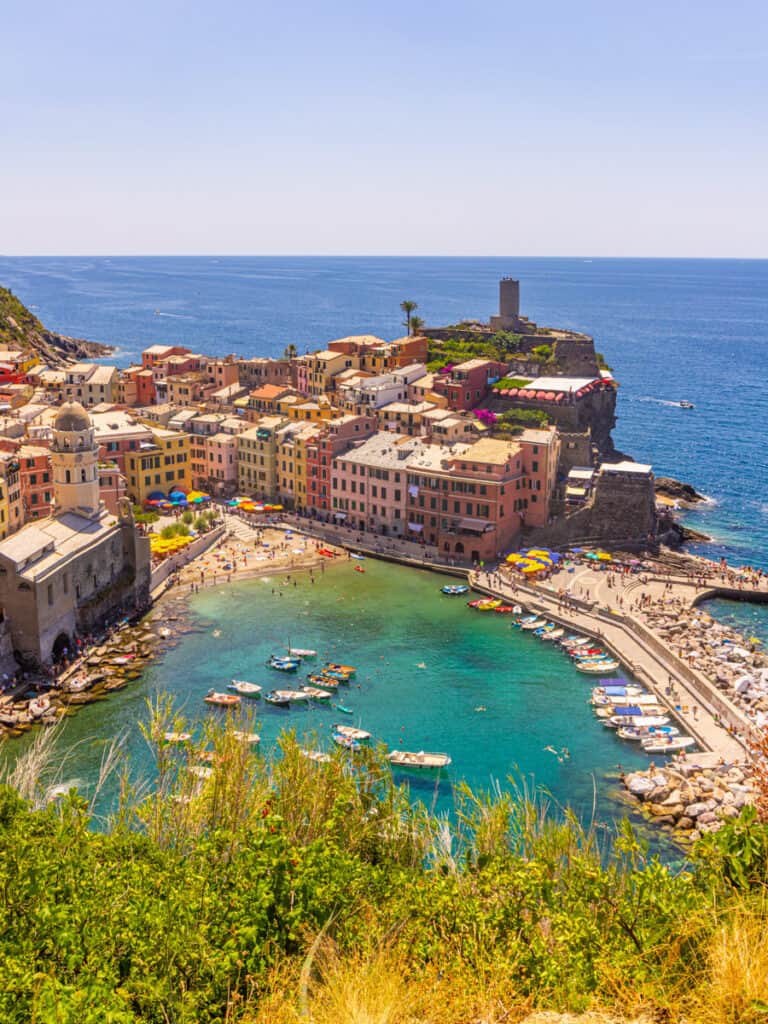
<point x="686" y="405"/>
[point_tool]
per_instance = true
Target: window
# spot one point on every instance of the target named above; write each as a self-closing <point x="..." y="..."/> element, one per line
<point x="68" y="477"/>
<point x="33" y="478"/>
<point x="50" y="593"/>
<point x="535" y="466"/>
<point x="46" y="478"/>
<point x="34" y="499"/>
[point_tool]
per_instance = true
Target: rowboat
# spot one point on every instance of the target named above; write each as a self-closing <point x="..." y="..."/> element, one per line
<point x="244" y="688"/>
<point x="301" y="652"/>
<point x="504" y="609"/>
<point x="318" y="756"/>
<point x="636" y="721"/>
<point x="535" y="624"/>
<point x="488" y="606"/>
<point x="342" y="708"/>
<point x="421" y="759"/>
<point x="283" y="664"/>
<point x="295" y="696"/>
<point x="597" y="668"/>
<point x="666" y="745"/>
<point x="315" y="693"/>
<point x="221" y="700"/>
<point x="277" y="698"/>
<point x="39" y="705"/>
<point x="555" y="634"/>
<point x="574" y="641"/>
<point x="347" y="670"/>
<point x="591" y="654"/>
<point x="329" y="682"/>
<point x="350" y="731"/>
<point x="647" y="732"/>
<point x="331" y="673"/>
<point x="177" y="737"/>
<point x="452" y="589"/>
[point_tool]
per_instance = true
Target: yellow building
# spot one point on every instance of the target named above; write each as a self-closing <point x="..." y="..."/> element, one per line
<point x="300" y="441"/>
<point x="257" y="459"/>
<point x="306" y="412"/>
<point x="11" y="507"/>
<point x="165" y="465"/>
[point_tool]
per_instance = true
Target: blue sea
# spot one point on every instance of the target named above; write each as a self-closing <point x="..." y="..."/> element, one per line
<point x="671" y="330"/>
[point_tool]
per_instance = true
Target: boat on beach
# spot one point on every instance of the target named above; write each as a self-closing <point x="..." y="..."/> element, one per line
<point x="350" y="731"/>
<point x="422" y="759"/>
<point x="453" y="589"/>
<point x="244" y="688"/>
<point x="221" y="700"/>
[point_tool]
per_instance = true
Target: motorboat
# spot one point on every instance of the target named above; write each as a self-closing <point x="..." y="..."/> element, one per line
<point x="251" y="738"/>
<point x="277" y="698"/>
<point x="177" y="737"/>
<point x="597" y="668"/>
<point x="612" y="692"/>
<point x="453" y="589"/>
<point x="686" y="405"/>
<point x="39" y="705"/>
<point x="221" y="700"/>
<point x="318" y="756"/>
<point x="667" y="745"/>
<point x="489" y="605"/>
<point x="342" y="708"/>
<point x="533" y="624"/>
<point x="628" y="710"/>
<point x="345" y="741"/>
<point x="419" y="759"/>
<point x="315" y="693"/>
<point x="635" y="721"/>
<point x="301" y="652"/>
<point x="639" y="699"/>
<point x="350" y="731"/>
<point x="346" y="670"/>
<point x="647" y="732"/>
<point x="283" y="664"/>
<point x="244" y="688"/>
<point x="332" y="682"/>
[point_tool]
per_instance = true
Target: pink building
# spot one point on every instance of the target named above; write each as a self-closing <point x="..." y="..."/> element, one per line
<point x="117" y="432"/>
<point x="219" y="462"/>
<point x="541" y="454"/>
<point x="468" y="383"/>
<point x="111" y="486"/>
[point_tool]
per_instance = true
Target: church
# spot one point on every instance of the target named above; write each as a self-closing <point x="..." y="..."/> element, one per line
<point x="82" y="566"/>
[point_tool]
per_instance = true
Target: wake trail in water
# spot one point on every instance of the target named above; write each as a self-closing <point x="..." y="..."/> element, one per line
<point x="174" y="316"/>
<point x="659" y="401"/>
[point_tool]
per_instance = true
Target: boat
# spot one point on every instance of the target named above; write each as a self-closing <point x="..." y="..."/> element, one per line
<point x="554" y="634"/>
<point x="630" y="732"/>
<point x="639" y="699"/>
<point x="504" y="609"/>
<point x="356" y="554"/>
<point x="301" y="652"/>
<point x="617" y="691"/>
<point x="574" y="641"/>
<point x="347" y="670"/>
<point x="419" y="759"/>
<point x="527" y="618"/>
<point x="452" y="589"/>
<point x="350" y="731"/>
<point x="596" y="668"/>
<point x="533" y="624"/>
<point x="39" y="705"/>
<point x="666" y="745"/>
<point x="635" y="721"/>
<point x="244" y="688"/>
<point x="277" y="698"/>
<point x="345" y="741"/>
<point x="331" y="682"/>
<point x="342" y="708"/>
<point x="629" y="710"/>
<point x="283" y="664"/>
<point x="686" y="405"/>
<point x="315" y="693"/>
<point x="294" y="696"/>
<point x="221" y="700"/>
<point x="9" y="717"/>
<point x="489" y="605"/>
<point x="318" y="756"/>
<point x="246" y="737"/>
<point x="359" y="568"/>
<point x="177" y="737"/>
<point x="78" y="685"/>
<point x="589" y="654"/>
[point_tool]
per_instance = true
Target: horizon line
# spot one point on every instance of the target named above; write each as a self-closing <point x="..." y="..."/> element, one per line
<point x="357" y="256"/>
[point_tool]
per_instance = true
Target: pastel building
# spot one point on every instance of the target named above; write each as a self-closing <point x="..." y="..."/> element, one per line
<point x="118" y="432"/>
<point x="336" y="436"/>
<point x="162" y="465"/>
<point x="468" y="383"/>
<point x="36" y="481"/>
<point x="541" y="454"/>
<point x="369" y="484"/>
<point x="257" y="459"/>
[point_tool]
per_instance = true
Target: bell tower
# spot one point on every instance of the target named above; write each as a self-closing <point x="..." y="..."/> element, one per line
<point x="75" y="463"/>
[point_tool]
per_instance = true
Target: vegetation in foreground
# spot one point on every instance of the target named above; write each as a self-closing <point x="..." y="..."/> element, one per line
<point x="278" y="890"/>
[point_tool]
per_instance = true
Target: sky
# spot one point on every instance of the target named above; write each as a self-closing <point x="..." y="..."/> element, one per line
<point x="479" y="128"/>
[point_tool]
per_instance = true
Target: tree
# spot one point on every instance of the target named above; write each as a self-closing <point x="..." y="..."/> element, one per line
<point x="408" y="306"/>
<point x="290" y="351"/>
<point x="416" y="325"/>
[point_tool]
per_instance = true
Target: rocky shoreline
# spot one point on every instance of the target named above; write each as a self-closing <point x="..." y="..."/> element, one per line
<point x="690" y="800"/>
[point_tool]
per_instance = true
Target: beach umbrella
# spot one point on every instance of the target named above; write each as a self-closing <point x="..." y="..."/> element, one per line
<point x="755" y="640"/>
<point x="592" y="555"/>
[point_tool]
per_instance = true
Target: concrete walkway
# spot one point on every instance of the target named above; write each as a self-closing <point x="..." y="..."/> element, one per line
<point x="651" y="667"/>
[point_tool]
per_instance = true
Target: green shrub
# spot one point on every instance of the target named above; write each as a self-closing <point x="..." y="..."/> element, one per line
<point x="187" y="517"/>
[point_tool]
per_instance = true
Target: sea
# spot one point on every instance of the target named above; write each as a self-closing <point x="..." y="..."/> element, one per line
<point x="671" y="329"/>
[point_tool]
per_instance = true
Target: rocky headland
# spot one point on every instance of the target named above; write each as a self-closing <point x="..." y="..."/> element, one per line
<point x="21" y="330"/>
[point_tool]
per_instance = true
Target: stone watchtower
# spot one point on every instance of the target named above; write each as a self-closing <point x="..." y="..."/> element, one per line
<point x="509" y="306"/>
<point x="75" y="463"/>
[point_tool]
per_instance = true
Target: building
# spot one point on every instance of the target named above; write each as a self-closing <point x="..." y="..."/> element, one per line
<point x="315" y="373"/>
<point x="366" y="394"/>
<point x="219" y="463"/>
<point x="77" y="568"/>
<point x="90" y="384"/>
<point x="12" y="509"/>
<point x="35" y="481"/>
<point x="369" y="484"/>
<point x="257" y="459"/>
<point x="112" y="487"/>
<point x="117" y="433"/>
<point x="541" y="457"/>
<point x="336" y="436"/>
<point x="162" y="465"/>
<point x="468" y="383"/>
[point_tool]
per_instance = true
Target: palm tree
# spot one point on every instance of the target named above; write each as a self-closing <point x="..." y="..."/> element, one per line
<point x="408" y="307"/>
<point x="416" y="324"/>
<point x="290" y="351"/>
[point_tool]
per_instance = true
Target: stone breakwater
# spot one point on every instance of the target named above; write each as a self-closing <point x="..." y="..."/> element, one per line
<point x="689" y="799"/>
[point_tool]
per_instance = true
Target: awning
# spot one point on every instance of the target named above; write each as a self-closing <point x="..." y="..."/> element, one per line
<point x="575" y="492"/>
<point x="475" y="525"/>
<point x="416" y="527"/>
<point x="340" y="515"/>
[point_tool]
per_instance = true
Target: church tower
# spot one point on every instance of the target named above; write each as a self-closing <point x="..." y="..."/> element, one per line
<point x="75" y="463"/>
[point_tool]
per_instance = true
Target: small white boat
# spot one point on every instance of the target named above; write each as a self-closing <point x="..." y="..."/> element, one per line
<point x="553" y="634"/>
<point x="318" y="756"/>
<point x="244" y="688"/>
<point x="419" y="759"/>
<point x="535" y="624"/>
<point x="200" y="771"/>
<point x="301" y="652"/>
<point x="686" y="405"/>
<point x="293" y="696"/>
<point x="78" y="685"/>
<point x="177" y="737"/>
<point x="221" y="700"/>
<point x="316" y="693"/>
<point x="597" y="668"/>
<point x="635" y="721"/>
<point x="638" y="698"/>
<point x="246" y="737"/>
<point x="661" y="745"/>
<point x="613" y="710"/>
<point x="350" y="731"/>
<point x="646" y="732"/>
<point x="38" y="707"/>
<point x="578" y="642"/>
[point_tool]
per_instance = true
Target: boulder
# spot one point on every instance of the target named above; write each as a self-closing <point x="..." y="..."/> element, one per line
<point x="640" y="785"/>
<point x="675" y="797"/>
<point x="659" y="794"/>
<point x="694" y="835"/>
<point x="728" y="811"/>
<point x="695" y="809"/>
<point x="664" y="810"/>
<point x="685" y="823"/>
<point x="728" y="798"/>
<point x="665" y="819"/>
<point x="706" y="818"/>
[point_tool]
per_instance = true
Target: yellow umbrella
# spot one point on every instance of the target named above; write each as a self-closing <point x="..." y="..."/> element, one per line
<point x="603" y="556"/>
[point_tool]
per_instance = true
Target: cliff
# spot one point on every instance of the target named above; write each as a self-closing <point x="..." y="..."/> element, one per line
<point x="21" y="330"/>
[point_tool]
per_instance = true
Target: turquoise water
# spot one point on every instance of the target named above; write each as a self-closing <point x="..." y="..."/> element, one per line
<point x="386" y="622"/>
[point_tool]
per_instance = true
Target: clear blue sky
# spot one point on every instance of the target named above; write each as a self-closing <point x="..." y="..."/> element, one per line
<point x="477" y="128"/>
